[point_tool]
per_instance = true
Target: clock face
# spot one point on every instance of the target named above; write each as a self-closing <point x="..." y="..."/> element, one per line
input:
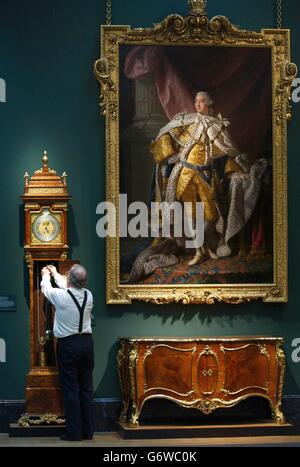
<point x="46" y="227"/>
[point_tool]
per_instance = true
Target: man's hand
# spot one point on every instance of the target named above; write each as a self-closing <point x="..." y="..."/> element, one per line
<point x="52" y="270"/>
<point x="45" y="271"/>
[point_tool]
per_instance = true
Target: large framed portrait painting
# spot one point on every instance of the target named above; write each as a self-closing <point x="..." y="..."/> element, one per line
<point x="196" y="160"/>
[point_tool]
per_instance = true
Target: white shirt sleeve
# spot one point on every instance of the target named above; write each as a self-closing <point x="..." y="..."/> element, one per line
<point x="60" y="281"/>
<point x="50" y="292"/>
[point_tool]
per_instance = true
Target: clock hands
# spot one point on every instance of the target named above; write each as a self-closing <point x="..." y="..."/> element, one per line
<point x="46" y="226"/>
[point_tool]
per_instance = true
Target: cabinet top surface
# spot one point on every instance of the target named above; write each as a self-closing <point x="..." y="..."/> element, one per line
<point x="201" y="339"/>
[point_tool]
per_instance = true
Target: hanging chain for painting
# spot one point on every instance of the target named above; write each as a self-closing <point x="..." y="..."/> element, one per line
<point x="279" y="14"/>
<point x="108" y="12"/>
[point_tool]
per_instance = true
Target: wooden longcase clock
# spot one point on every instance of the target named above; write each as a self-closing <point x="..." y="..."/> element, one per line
<point x="45" y="205"/>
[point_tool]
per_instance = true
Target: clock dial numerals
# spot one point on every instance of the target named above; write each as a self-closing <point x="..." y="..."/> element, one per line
<point x="46" y="227"/>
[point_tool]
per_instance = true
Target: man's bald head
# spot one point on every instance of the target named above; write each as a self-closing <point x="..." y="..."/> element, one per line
<point x="77" y="277"/>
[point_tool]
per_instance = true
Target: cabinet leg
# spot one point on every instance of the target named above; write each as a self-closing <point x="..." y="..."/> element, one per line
<point x="278" y="416"/>
<point x="122" y="365"/>
<point x="133" y="360"/>
<point x="134" y="418"/>
<point x="123" y="415"/>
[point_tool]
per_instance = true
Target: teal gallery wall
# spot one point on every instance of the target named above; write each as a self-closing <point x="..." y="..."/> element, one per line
<point x="47" y="48"/>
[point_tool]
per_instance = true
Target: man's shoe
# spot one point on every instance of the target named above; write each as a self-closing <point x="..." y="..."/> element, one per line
<point x="69" y="438"/>
<point x="89" y="438"/>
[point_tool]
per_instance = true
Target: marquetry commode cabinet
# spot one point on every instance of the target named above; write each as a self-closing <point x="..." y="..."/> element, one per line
<point x="200" y="372"/>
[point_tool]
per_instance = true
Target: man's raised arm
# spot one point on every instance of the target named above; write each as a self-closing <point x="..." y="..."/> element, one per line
<point x="60" y="280"/>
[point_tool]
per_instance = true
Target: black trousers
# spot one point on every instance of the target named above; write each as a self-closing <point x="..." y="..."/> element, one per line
<point x="75" y="356"/>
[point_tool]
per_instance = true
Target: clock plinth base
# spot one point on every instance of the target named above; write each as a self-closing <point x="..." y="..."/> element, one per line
<point x="37" y="420"/>
<point x="35" y="431"/>
<point x="43" y="393"/>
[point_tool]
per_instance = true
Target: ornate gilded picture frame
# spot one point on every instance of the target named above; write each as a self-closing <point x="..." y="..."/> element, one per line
<point x="196" y="111"/>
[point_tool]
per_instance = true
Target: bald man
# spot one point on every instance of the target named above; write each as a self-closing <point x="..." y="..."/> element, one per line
<point x="75" y="349"/>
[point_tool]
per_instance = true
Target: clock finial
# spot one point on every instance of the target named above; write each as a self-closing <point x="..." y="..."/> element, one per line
<point x="45" y="160"/>
<point x="64" y="178"/>
<point x="26" y="179"/>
